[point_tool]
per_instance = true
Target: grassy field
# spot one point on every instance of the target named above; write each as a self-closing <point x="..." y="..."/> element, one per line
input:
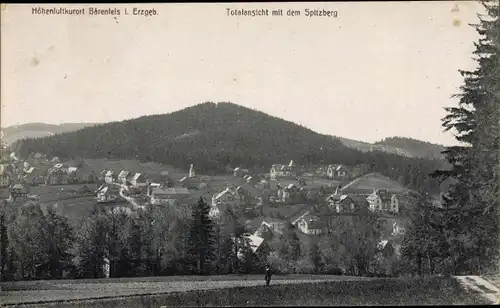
<point x="375" y="181"/>
<point x="53" y="193"/>
<point x="429" y="291"/>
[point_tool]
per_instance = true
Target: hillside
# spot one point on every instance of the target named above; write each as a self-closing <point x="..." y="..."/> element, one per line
<point x="369" y="182"/>
<point x="37" y="130"/>
<point x="215" y="136"/>
<point x="398" y="145"/>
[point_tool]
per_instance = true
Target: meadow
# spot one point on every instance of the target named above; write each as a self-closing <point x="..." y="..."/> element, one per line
<point x="289" y="292"/>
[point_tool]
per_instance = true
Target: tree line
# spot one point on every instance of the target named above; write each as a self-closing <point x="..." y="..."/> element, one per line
<point x="462" y="237"/>
<point x="38" y="242"/>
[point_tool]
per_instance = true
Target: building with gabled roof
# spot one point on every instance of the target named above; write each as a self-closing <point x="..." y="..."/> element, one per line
<point x="138" y="180"/>
<point x="161" y="195"/>
<point x="381" y="200"/>
<point x="124" y="177"/>
<point x="310" y="224"/>
<point x="337" y="172"/>
<point x="110" y="177"/>
<point x="284" y="171"/>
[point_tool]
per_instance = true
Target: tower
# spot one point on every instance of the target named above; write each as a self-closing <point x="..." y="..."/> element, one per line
<point x="191" y="171"/>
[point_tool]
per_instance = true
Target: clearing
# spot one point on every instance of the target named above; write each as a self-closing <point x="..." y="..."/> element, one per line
<point x="293" y="290"/>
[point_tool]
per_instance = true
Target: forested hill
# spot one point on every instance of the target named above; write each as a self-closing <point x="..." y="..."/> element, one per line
<point x="36" y="130"/>
<point x="414" y="148"/>
<point x="213" y="136"/>
<point x="398" y="145"/>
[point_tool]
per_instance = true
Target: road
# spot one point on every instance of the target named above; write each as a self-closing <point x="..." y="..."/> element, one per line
<point x="487" y="289"/>
<point x="57" y="290"/>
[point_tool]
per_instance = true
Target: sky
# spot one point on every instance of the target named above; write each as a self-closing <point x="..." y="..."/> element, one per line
<point x="378" y="69"/>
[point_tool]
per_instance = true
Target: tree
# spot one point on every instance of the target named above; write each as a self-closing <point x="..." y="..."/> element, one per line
<point x="315" y="256"/>
<point x="473" y="205"/>
<point x="201" y="239"/>
<point x="289" y="250"/>
<point x="424" y="242"/>
<point x="59" y="239"/>
<point x="4" y="242"/>
<point x="93" y="244"/>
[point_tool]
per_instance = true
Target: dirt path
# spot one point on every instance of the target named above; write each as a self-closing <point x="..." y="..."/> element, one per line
<point x="481" y="285"/>
<point x="355" y="181"/>
<point x="62" y="290"/>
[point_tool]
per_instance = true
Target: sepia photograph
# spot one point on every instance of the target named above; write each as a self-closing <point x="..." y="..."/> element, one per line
<point x="250" y="154"/>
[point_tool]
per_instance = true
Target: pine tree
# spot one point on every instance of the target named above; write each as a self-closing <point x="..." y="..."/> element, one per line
<point x="4" y="242"/>
<point x="290" y="246"/>
<point x="473" y="206"/>
<point x="201" y="239"/>
<point x="315" y="256"/>
<point x="59" y="239"/>
<point x="424" y="242"/>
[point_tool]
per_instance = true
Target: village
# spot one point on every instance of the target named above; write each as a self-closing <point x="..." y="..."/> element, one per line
<point x="265" y="203"/>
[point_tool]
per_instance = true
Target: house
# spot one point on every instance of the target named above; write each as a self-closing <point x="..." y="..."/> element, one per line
<point x="310" y="225"/>
<point x="398" y="229"/>
<point x="5" y="177"/>
<point x="342" y="203"/>
<point x="253" y="179"/>
<point x="81" y="174"/>
<point x="298" y="217"/>
<point x="282" y="195"/>
<point x="228" y="195"/>
<point x="274" y="225"/>
<point x="240" y="172"/>
<point x="284" y="171"/>
<point x="190" y="182"/>
<point x="124" y="177"/>
<point x="32" y="176"/>
<point x="138" y="180"/>
<point x="258" y="245"/>
<point x="164" y="195"/>
<point x="337" y="172"/>
<point x="151" y="186"/>
<point x="106" y="193"/>
<point x="214" y="211"/>
<point x="385" y="249"/>
<point x="165" y="179"/>
<point x="381" y="200"/>
<point x="248" y="194"/>
<point x="321" y="171"/>
<point x="57" y="176"/>
<point x="72" y="175"/>
<point x="19" y="191"/>
<point x="109" y="177"/>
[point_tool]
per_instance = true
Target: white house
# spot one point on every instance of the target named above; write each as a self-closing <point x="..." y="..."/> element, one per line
<point x="381" y="200"/>
<point x="163" y="195"/>
<point x="279" y="170"/>
<point x="336" y="172"/>
<point x="138" y="180"/>
<point x="397" y="229"/>
<point x="310" y="225"/>
<point x="271" y="224"/>
<point x="228" y="195"/>
<point x="109" y="178"/>
<point x="123" y="177"/>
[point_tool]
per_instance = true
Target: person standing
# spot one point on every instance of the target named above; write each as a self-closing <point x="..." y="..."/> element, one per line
<point x="268" y="275"/>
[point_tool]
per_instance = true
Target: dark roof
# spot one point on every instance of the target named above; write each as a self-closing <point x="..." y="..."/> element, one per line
<point x="273" y="220"/>
<point x="313" y="222"/>
<point x="170" y="191"/>
<point x="252" y="191"/>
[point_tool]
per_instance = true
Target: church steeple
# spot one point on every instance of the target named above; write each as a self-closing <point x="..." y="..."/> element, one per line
<point x="191" y="171"/>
